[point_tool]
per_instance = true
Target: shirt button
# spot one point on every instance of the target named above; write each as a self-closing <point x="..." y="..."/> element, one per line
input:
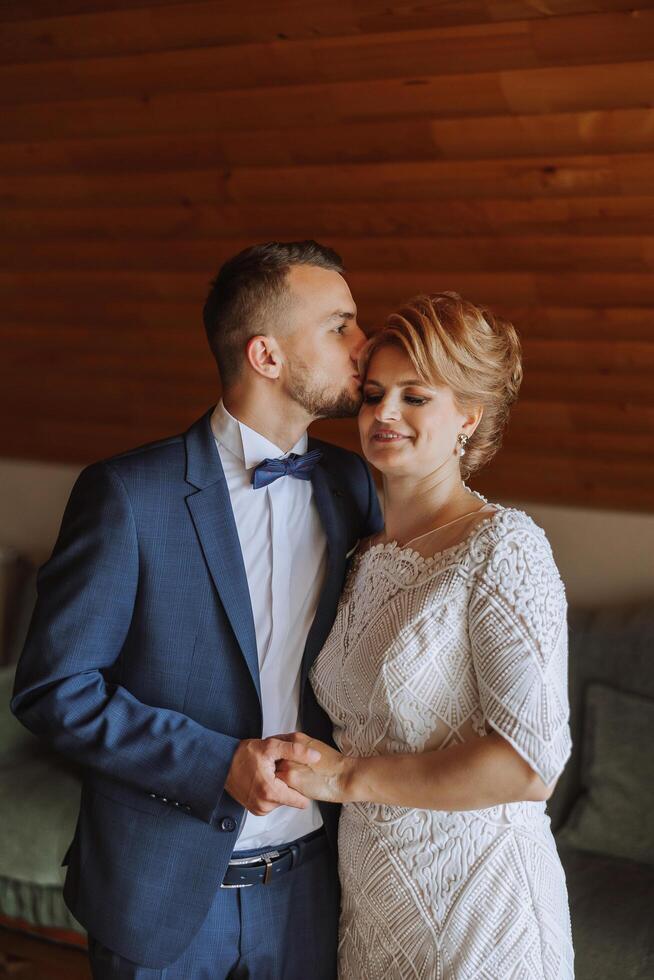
<point x="228" y="824"/>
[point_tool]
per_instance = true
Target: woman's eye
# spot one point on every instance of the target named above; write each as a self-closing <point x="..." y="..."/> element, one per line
<point x="371" y="399"/>
<point x="414" y="400"/>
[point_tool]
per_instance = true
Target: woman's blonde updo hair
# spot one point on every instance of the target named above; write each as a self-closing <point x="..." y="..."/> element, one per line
<point x="452" y="342"/>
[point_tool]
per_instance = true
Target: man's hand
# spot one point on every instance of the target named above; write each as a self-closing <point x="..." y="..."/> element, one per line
<point x="327" y="779"/>
<point x="252" y="779"/>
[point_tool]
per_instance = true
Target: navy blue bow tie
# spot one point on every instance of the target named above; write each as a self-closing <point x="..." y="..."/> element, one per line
<point x="301" y="467"/>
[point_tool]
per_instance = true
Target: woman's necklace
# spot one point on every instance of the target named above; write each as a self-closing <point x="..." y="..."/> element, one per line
<point x="473" y="493"/>
<point x="432" y="530"/>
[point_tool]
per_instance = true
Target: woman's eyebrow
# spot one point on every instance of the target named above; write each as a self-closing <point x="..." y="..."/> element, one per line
<point x="409" y="383"/>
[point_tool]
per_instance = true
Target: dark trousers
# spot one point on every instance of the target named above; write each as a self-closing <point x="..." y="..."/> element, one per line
<point x="287" y="930"/>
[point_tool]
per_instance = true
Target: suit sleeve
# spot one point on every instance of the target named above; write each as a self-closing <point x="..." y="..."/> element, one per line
<point x="374" y="518"/>
<point x="86" y="596"/>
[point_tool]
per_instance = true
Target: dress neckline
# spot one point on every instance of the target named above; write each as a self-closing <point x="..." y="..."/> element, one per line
<point x="393" y="547"/>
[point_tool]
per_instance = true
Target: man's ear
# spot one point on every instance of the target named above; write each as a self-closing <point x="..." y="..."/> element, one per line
<point x="264" y="356"/>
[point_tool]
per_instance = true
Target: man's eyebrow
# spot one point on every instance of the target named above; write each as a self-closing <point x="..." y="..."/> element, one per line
<point x="342" y="315"/>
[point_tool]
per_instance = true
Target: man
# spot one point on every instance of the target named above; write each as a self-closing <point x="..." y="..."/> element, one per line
<point x="193" y="583"/>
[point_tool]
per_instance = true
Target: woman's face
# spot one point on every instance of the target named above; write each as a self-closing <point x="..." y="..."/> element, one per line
<point x="408" y="428"/>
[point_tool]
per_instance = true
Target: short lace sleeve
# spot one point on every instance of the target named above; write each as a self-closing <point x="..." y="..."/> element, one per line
<point x="519" y="639"/>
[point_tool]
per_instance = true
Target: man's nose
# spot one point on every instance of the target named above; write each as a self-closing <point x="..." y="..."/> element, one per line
<point x="359" y="341"/>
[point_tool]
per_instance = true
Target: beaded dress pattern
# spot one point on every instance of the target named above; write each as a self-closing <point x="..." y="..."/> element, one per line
<point x="426" y="653"/>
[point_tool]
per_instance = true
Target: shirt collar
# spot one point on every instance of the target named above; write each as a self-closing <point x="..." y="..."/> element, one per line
<point x="246" y="443"/>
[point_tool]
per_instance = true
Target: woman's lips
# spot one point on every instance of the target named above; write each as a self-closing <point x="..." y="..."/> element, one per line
<point x="387" y="436"/>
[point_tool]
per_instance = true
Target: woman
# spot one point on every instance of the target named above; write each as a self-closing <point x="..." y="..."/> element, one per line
<point x="450" y="635"/>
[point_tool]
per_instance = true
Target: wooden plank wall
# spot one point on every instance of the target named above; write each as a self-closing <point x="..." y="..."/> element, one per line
<point x="503" y="148"/>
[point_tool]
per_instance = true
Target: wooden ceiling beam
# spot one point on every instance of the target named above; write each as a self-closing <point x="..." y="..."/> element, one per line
<point x="521" y="92"/>
<point x="409" y="184"/>
<point x="584" y="216"/>
<point x="605" y="38"/>
<point x="370" y="289"/>
<point x="36" y="30"/>
<point x="435" y="256"/>
<point x="409" y="139"/>
<point x="111" y="310"/>
<point x="153" y="349"/>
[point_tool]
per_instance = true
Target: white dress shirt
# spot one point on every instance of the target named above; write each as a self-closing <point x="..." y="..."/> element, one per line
<point x="285" y="555"/>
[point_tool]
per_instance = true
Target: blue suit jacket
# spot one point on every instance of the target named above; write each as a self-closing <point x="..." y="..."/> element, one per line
<point x="141" y="665"/>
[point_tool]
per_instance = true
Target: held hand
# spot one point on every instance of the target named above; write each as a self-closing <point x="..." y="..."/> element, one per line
<point x="253" y="779"/>
<point x="325" y="779"/>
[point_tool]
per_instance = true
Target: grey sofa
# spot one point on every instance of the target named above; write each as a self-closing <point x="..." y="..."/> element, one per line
<point x="611" y="895"/>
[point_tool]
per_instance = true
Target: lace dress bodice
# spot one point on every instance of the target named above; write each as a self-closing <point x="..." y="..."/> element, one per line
<point x="425" y="653"/>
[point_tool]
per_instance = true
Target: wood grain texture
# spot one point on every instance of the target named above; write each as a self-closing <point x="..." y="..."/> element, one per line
<point x="500" y="148"/>
<point x="378" y="141"/>
<point x="450" y="217"/>
<point x="510" y="254"/>
<point x="566" y="41"/>
<point x="517" y="92"/>
<point x="43" y="29"/>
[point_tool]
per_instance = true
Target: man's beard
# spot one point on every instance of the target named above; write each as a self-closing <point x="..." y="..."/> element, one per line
<point x="318" y="402"/>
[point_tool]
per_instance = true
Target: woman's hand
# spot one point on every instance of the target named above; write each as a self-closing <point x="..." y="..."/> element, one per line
<point x="482" y="772"/>
<point x="326" y="779"/>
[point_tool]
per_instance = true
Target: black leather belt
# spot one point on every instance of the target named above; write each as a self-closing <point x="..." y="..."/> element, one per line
<point x="263" y="869"/>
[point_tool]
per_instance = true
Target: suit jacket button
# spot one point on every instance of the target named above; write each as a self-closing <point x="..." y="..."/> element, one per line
<point x="152" y="796"/>
<point x="228" y="824"/>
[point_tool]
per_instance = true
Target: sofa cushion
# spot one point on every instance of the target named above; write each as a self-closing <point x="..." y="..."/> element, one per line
<point x="15" y="739"/>
<point x="607" y="646"/>
<point x="17" y="598"/>
<point x="611" y="912"/>
<point x="39" y="801"/>
<point x="613" y="814"/>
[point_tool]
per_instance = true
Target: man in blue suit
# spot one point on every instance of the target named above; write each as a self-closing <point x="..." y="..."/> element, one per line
<point x="192" y="585"/>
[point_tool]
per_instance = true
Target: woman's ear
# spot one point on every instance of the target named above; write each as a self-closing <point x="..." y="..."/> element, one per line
<point x="472" y="420"/>
<point x="264" y="356"/>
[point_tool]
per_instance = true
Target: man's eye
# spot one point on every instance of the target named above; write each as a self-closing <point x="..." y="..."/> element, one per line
<point x="341" y="328"/>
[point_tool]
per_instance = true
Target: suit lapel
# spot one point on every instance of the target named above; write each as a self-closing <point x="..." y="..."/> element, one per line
<point x="212" y="515"/>
<point x="330" y="508"/>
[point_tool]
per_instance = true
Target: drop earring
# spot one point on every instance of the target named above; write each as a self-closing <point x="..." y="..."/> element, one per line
<point x="462" y="440"/>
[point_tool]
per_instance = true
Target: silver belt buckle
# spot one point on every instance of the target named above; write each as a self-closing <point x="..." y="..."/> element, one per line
<point x="267" y="858"/>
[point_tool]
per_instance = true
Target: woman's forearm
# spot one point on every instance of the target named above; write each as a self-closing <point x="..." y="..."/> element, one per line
<point x="476" y="774"/>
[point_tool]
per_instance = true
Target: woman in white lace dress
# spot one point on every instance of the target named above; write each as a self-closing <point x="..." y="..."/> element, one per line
<point x="445" y="675"/>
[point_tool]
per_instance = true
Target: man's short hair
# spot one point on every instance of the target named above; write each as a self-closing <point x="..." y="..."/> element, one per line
<point x="249" y="295"/>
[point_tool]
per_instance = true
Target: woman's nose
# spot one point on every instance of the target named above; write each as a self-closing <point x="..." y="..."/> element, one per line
<point x="387" y="410"/>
